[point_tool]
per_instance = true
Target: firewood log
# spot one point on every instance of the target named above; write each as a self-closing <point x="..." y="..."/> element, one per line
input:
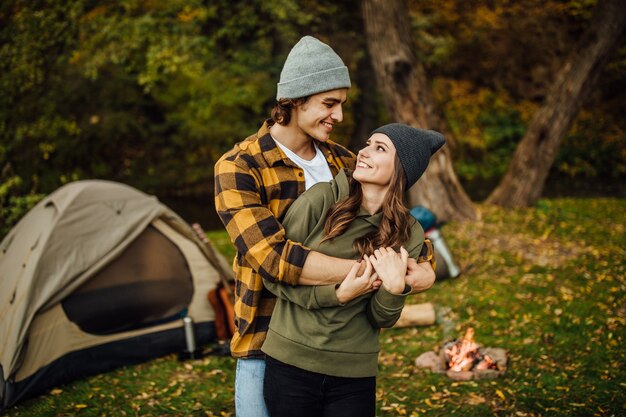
<point x="416" y="315"/>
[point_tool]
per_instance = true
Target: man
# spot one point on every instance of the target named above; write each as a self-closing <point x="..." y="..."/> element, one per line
<point x="258" y="180"/>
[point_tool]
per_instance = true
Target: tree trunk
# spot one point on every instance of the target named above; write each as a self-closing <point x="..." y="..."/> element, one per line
<point x="402" y="82"/>
<point x="365" y="107"/>
<point x="523" y="182"/>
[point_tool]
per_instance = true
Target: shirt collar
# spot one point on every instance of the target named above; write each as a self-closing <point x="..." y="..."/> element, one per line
<point x="271" y="152"/>
<point x="374" y="219"/>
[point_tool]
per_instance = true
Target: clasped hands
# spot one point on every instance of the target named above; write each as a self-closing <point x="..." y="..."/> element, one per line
<point x="388" y="268"/>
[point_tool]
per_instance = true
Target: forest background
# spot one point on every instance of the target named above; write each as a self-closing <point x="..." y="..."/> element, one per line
<point x="151" y="93"/>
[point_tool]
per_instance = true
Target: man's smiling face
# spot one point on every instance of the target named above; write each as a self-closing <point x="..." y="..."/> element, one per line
<point x="317" y="117"/>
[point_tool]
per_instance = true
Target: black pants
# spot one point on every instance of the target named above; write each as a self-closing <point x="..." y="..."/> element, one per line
<point x="290" y="391"/>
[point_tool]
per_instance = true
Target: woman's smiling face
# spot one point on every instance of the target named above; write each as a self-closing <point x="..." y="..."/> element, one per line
<point x="375" y="162"/>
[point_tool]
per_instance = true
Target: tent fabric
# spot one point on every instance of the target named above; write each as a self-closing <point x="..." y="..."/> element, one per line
<point x="147" y="283"/>
<point x="106" y="357"/>
<point x="75" y="235"/>
<point x="52" y="335"/>
<point x="42" y="260"/>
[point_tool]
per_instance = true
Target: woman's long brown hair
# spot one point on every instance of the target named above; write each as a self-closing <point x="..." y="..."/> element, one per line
<point x="395" y="226"/>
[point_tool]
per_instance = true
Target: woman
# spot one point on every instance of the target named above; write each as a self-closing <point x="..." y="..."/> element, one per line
<point x="322" y="344"/>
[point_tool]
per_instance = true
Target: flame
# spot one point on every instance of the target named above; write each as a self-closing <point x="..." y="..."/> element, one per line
<point x="486" y="363"/>
<point x="462" y="355"/>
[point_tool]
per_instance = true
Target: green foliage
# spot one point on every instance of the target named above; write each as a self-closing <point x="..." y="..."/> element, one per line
<point x="33" y="126"/>
<point x="222" y="243"/>
<point x="146" y="93"/>
<point x="431" y="46"/>
<point x="12" y="205"/>
<point x="594" y="148"/>
<point x="487" y="125"/>
<point x="132" y="91"/>
<point x="152" y="93"/>
<point x="502" y="45"/>
<point x="544" y="283"/>
<point x="492" y="64"/>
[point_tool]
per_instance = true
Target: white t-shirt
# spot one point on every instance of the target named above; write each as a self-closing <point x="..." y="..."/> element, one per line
<point x="315" y="170"/>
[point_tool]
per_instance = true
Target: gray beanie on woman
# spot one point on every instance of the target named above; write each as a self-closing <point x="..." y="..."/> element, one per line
<point x="414" y="148"/>
<point x="311" y="67"/>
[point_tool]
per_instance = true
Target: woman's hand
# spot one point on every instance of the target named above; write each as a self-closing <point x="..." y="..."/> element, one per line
<point x="354" y="286"/>
<point x="420" y="276"/>
<point x="391" y="268"/>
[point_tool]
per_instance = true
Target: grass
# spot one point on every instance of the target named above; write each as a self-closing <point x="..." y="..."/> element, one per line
<point x="546" y="283"/>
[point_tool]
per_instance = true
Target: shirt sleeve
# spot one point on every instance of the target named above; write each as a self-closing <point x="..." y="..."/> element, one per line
<point x="303" y="217"/>
<point x="311" y="297"/>
<point x="427" y="254"/>
<point x="384" y="308"/>
<point x="416" y="242"/>
<point x="255" y="231"/>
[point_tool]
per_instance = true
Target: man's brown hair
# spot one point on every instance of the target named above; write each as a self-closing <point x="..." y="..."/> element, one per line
<point x="281" y="113"/>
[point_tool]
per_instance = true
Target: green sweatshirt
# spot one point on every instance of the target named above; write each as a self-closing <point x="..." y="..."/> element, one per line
<point x="309" y="328"/>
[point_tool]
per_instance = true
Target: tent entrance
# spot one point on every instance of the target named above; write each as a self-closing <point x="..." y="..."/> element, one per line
<point x="149" y="283"/>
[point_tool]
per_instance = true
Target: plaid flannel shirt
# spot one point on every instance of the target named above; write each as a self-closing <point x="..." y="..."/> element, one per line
<point x="255" y="183"/>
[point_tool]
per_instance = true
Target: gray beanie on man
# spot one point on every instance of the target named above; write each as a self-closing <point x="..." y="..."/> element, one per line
<point x="311" y="67"/>
<point x="414" y="148"/>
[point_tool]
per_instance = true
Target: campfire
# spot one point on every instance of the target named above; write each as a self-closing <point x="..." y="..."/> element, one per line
<point x="464" y="355"/>
<point x="464" y="359"/>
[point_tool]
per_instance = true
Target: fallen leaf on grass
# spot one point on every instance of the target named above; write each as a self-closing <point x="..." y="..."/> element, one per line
<point x="215" y="372"/>
<point x="475" y="399"/>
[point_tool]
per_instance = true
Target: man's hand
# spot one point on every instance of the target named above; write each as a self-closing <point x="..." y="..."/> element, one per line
<point x="420" y="276"/>
<point x="354" y="286"/>
<point x="391" y="267"/>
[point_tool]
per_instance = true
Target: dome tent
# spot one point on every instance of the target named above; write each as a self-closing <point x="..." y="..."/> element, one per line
<point x="96" y="276"/>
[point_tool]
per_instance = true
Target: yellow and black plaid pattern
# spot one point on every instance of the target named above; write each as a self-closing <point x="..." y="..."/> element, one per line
<point x="255" y="183"/>
<point x="427" y="254"/>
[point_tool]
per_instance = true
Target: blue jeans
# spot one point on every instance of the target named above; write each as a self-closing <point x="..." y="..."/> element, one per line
<point x="291" y="391"/>
<point x="249" y="400"/>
